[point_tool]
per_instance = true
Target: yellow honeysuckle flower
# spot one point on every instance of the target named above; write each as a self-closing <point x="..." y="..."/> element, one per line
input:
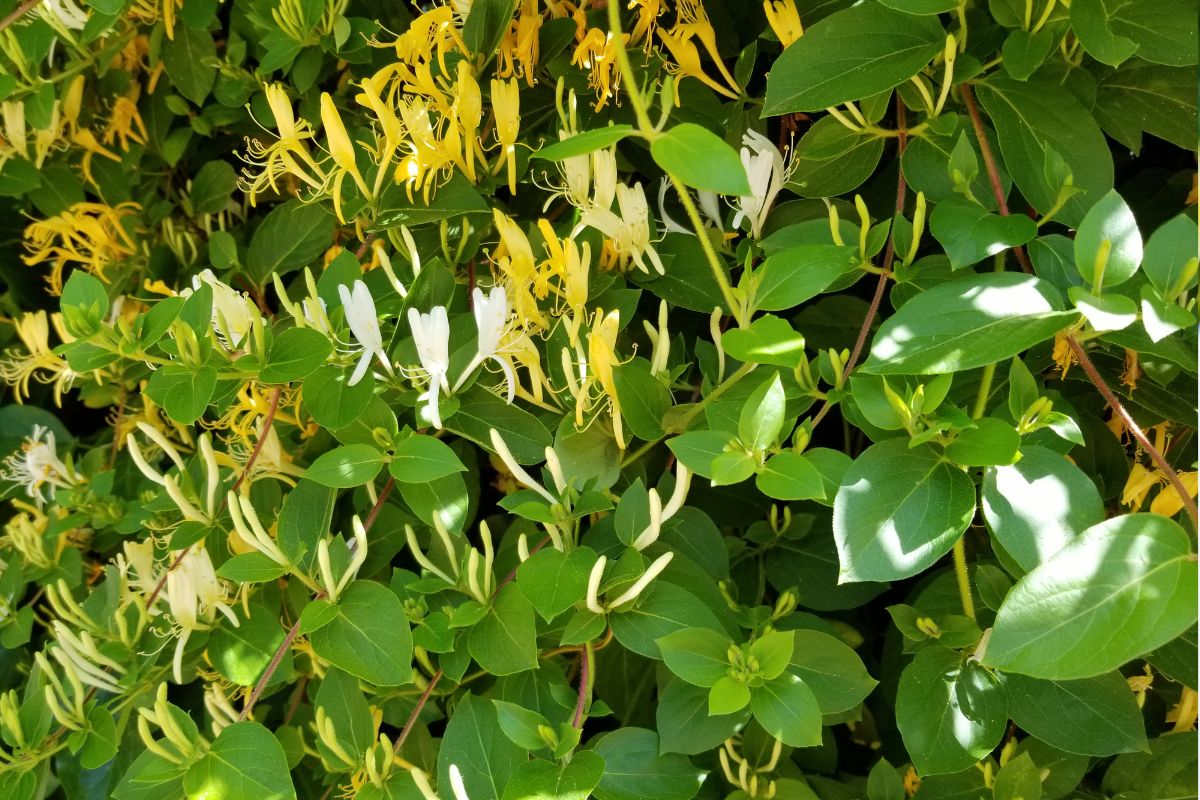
<point x="39" y="361"/>
<point x="90" y="235"/>
<point x="125" y="123"/>
<point x="648" y="12"/>
<point x="1168" y="502"/>
<point x="506" y="105"/>
<point x="598" y="371"/>
<point x="686" y="62"/>
<point x="468" y="109"/>
<point x="597" y="53"/>
<point x="286" y="156"/>
<point x="342" y="151"/>
<point x="434" y="31"/>
<point x="519" y="274"/>
<point x="784" y="20"/>
<point x="518" y="51"/>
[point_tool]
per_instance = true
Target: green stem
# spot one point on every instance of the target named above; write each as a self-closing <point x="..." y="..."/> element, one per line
<point x="710" y="252"/>
<point x="985" y="388"/>
<point x="964" y="578"/>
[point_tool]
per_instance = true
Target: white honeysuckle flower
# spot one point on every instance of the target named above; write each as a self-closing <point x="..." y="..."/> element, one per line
<point x="766" y="171"/>
<point x="492" y="314"/>
<point x="36" y="467"/>
<point x="669" y="225"/>
<point x="233" y="313"/>
<point x="364" y="325"/>
<point x="66" y="12"/>
<point x="628" y="231"/>
<point x="604" y="178"/>
<point x="456" y="784"/>
<point x="431" y="334"/>
<point x="194" y="595"/>
<point x="710" y="204"/>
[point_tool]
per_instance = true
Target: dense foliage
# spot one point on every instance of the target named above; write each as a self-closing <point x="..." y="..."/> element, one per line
<point x="515" y="399"/>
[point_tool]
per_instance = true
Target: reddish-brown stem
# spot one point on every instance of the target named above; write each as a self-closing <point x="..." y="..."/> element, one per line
<point x="889" y="255"/>
<point x="989" y="163"/>
<point x="1097" y="379"/>
<point x="416" y="712"/>
<point x="584" y="678"/>
<point x="20" y="11"/>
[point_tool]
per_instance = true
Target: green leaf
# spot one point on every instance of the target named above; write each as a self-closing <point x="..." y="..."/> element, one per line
<point x="1164" y="35"/>
<point x="250" y="568"/>
<point x="898" y="511"/>
<point x="1119" y="590"/>
<point x="768" y="340"/>
<point x="546" y="780"/>
<point x="212" y="187"/>
<point x="849" y="55"/>
<point x="788" y="710"/>
<point x="732" y="467"/>
<point x="242" y="654"/>
<point x="183" y="393"/>
<point x="700" y="159"/>
<point x="950" y="713"/>
<point x="149" y="777"/>
<point x="1112" y="312"/>
<point x="833" y="160"/>
<point x="1090" y="22"/>
<point x="992" y="442"/>
<point x="295" y="354"/>
<point x="419" y="459"/>
<point x="761" y="420"/>
<point x="1038" y="505"/>
<point x="1035" y="117"/>
<point x="505" y="641"/>
<point x="1093" y="717"/>
<point x="793" y="276"/>
<point x="699" y="656"/>
<point x="644" y="400"/>
<point x="474" y="743"/>
<point x="663" y="608"/>
<point x="1019" y="779"/>
<point x="293" y="235"/>
<point x="834" y="672"/>
<point x="553" y="581"/>
<point x="521" y="725"/>
<point x="189" y="59"/>
<point x="772" y="650"/>
<point x="245" y="760"/>
<point x="696" y="450"/>
<point x="486" y="22"/>
<point x="369" y="638"/>
<point x="304" y="519"/>
<point x="1170" y="258"/>
<point x="634" y="770"/>
<point x="84" y="303"/>
<point x="347" y="708"/>
<point x="480" y="411"/>
<point x="884" y="783"/>
<point x="102" y="739"/>
<point x="583" y="143"/>
<point x="346" y="466"/>
<point x="967" y="323"/>
<point x="332" y="401"/>
<point x="970" y="234"/>
<point x="727" y="696"/>
<point x="685" y="724"/>
<point x="1108" y="245"/>
<point x="1167" y="771"/>
<point x="1148" y="97"/>
<point x="452" y="199"/>
<point x="790" y="476"/>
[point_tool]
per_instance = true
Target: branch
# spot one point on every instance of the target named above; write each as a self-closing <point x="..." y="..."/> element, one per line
<point x="889" y="255"/>
<point x="20" y="11"/>
<point x="585" y="678"/>
<point x="416" y="712"/>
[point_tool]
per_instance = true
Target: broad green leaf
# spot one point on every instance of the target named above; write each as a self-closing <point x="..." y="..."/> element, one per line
<point x="1108" y="245"/>
<point x="967" y="323"/>
<point x="524" y="433"/>
<point x="761" y="420"/>
<point x="851" y="54"/>
<point x="250" y="568"/>
<point x="102" y="739"/>
<point x="834" y="672"/>
<point x="1112" y="312"/>
<point x="1036" y="506"/>
<point x="884" y="783"/>
<point x="346" y="466"/>
<point x="790" y="476"/>
<point x="474" y="743"/>
<point x="347" y="708"/>
<point x="304" y="519"/>
<point x="1163" y="34"/>
<point x="788" y="710"/>
<point x="242" y="654"/>
<point x="1019" y="779"/>
<point x="833" y="160"/>
<point x="293" y="235"/>
<point x="1167" y="771"/>
<point x="1093" y="717"/>
<point x="332" y="401"/>
<point x="772" y="650"/>
<point x="768" y="340"/>
<point x="295" y="354"/>
<point x="684" y="723"/>
<point x="521" y="724"/>
<point x="993" y="442"/>
<point x="183" y="393"/>
<point x="951" y="713"/>
<point x="452" y="199"/>
<point x="728" y="696"/>
<point x="149" y="777"/>
<point x="644" y="400"/>
<point x="697" y="449"/>
<point x="245" y="760"/>
<point x="1034" y="117"/>
<point x="212" y="187"/>
<point x="970" y="234"/>
<point x="419" y="459"/>
<point x="505" y="641"/>
<point x="1147" y="97"/>
<point x="546" y="780"/>
<point x="898" y="511"/>
<point x="634" y="770"/>
<point x="485" y="24"/>
<point x="1119" y="590"/>
<point x="793" y="276"/>
<point x="699" y="656"/>
<point x="84" y="303"/>
<point x="732" y="467"/>
<point x="700" y="159"/>
<point x="553" y="581"/>
<point x="663" y="608"/>
<point x="1090" y="22"/>
<point x="583" y="143"/>
<point x="369" y="638"/>
<point x="1170" y="258"/>
<point x="188" y="59"/>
